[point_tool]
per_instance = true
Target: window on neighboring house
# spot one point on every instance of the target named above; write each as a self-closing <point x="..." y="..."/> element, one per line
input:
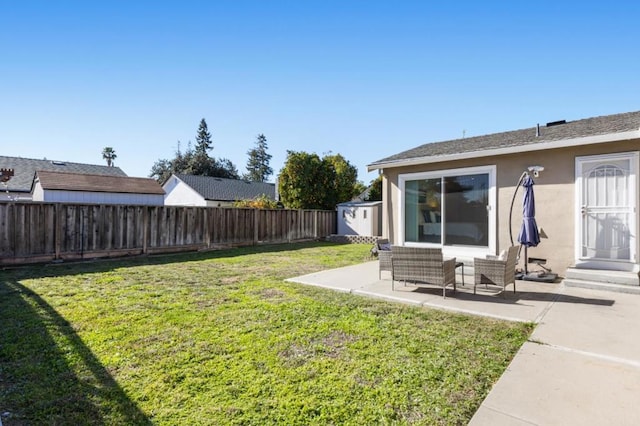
<point x="448" y="208"/>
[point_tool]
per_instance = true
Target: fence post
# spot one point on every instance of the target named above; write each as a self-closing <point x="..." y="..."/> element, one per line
<point x="145" y="229"/>
<point x="256" y="226"/>
<point x="315" y="224"/>
<point x="57" y="225"/>
<point x="205" y="224"/>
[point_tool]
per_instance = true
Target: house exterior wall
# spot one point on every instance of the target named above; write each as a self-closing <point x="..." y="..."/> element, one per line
<point x="554" y="194"/>
<point x="38" y="192"/>
<point x="85" y="197"/>
<point x="178" y="193"/>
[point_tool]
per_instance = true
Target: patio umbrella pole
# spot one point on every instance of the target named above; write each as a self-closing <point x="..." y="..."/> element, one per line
<point x="513" y="199"/>
<point x="529" y="235"/>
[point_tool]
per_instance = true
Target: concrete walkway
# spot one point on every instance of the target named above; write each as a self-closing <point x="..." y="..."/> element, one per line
<point x="581" y="366"/>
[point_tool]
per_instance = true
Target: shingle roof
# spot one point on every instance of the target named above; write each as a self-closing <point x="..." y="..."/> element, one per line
<point x="25" y="169"/>
<point x="595" y="126"/>
<point x="98" y="183"/>
<point x="214" y="188"/>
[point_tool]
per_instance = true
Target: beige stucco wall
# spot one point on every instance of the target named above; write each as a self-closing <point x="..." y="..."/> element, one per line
<point x="554" y="194"/>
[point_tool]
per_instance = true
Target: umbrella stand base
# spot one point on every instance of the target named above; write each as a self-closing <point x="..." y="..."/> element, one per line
<point x="541" y="277"/>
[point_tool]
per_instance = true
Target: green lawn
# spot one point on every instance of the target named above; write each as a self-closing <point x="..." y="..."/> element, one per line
<point x="220" y="338"/>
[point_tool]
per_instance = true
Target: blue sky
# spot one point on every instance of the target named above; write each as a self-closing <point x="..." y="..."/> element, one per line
<point x="365" y="79"/>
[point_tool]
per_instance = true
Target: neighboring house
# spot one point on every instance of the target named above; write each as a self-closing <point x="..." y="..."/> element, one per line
<point x="360" y="218"/>
<point x="18" y="188"/>
<point x="207" y="191"/>
<point x="458" y="194"/>
<point x="62" y="187"/>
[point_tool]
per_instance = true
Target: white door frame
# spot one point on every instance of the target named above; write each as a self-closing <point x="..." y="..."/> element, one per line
<point x="606" y="264"/>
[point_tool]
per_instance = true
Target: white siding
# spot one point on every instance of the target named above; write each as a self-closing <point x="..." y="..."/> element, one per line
<point x="83" y="197"/>
<point x="38" y="193"/>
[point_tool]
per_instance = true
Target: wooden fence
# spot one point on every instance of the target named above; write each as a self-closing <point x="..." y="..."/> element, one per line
<point x="38" y="232"/>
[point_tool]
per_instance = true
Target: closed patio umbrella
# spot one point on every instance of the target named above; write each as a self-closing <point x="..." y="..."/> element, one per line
<point x="529" y="235"/>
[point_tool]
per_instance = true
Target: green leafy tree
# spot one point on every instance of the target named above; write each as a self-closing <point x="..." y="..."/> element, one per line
<point x="224" y="168"/>
<point x="375" y="189"/>
<point x="181" y="161"/>
<point x="258" y="169"/>
<point x="109" y="154"/>
<point x="164" y="168"/>
<point x="346" y="178"/>
<point x="359" y="187"/>
<point x="161" y="170"/>
<point x="308" y="182"/>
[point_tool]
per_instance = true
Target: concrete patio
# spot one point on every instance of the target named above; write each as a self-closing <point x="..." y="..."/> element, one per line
<point x="529" y="303"/>
<point x="581" y="365"/>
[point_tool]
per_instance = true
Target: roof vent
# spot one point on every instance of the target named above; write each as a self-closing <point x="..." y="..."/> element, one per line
<point x="556" y="123"/>
<point x="58" y="163"/>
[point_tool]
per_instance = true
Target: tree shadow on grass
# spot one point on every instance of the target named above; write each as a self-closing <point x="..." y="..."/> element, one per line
<point x="47" y="374"/>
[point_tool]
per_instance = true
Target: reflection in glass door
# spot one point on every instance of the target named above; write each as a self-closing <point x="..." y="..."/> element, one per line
<point x="448" y="210"/>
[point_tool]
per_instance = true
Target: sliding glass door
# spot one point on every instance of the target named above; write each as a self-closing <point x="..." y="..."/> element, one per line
<point x="448" y="208"/>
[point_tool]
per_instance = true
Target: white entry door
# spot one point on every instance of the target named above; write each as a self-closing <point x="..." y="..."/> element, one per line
<point x="607" y="197"/>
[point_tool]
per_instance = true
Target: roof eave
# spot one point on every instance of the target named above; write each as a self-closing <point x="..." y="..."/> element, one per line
<point x="541" y="146"/>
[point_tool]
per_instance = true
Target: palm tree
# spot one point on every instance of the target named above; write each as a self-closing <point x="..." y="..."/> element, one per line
<point x="109" y="154"/>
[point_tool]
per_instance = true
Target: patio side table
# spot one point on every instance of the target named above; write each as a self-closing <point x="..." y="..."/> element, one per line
<point x="461" y="265"/>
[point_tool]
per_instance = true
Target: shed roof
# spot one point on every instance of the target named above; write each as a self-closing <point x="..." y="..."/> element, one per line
<point x="25" y="169"/>
<point x="222" y="189"/>
<point x="97" y="183"/>
<point x="360" y="204"/>
<point x="589" y="130"/>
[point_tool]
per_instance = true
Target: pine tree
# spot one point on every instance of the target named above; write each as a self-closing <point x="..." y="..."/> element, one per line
<point x="258" y="164"/>
<point x="203" y="139"/>
<point x="195" y="161"/>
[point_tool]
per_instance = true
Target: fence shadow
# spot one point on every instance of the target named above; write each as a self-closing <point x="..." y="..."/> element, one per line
<point x="56" y="269"/>
<point x="37" y="383"/>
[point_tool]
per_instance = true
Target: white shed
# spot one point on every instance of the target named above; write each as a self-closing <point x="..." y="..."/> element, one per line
<point x="360" y="218"/>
